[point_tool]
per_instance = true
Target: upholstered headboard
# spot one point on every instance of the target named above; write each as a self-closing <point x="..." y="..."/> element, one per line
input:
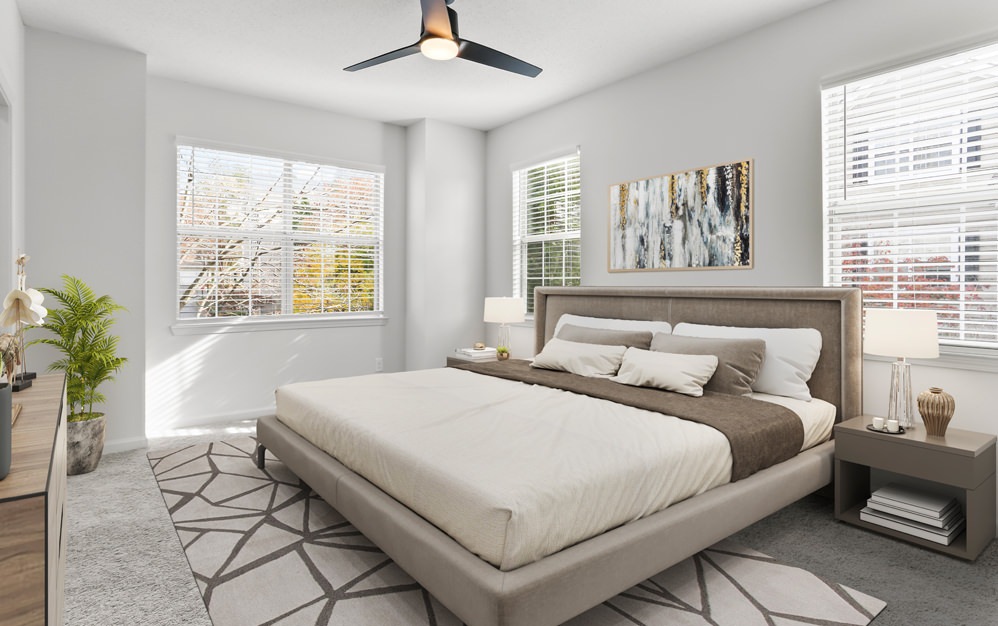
<point x="836" y="312"/>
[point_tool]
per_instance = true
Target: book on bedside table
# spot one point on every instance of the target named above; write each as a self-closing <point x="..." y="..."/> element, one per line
<point x="473" y="354"/>
<point x="944" y="535"/>
<point x="912" y="500"/>
<point x="915" y="512"/>
<point x="940" y="521"/>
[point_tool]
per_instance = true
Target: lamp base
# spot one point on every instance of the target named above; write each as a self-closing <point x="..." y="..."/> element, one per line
<point x="503" y="341"/>
<point x="899" y="404"/>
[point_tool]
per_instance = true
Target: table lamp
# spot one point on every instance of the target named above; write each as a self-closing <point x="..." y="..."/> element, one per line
<point x="903" y="334"/>
<point x="504" y="311"/>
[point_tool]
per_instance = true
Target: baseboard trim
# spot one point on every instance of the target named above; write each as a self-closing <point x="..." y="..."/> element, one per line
<point x="122" y="445"/>
<point x="218" y="418"/>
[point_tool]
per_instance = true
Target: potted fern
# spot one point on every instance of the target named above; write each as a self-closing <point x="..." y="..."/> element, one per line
<point x="89" y="358"/>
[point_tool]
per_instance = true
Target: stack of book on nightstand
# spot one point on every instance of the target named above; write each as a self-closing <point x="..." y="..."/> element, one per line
<point x="908" y="510"/>
<point x="476" y="354"/>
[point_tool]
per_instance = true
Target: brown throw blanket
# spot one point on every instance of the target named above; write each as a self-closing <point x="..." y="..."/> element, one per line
<point x="761" y="434"/>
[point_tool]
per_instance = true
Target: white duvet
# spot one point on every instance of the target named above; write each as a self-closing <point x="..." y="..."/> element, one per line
<point x="513" y="472"/>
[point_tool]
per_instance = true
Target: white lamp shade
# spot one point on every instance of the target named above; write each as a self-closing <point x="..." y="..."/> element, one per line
<point x="901" y="333"/>
<point x="505" y="310"/>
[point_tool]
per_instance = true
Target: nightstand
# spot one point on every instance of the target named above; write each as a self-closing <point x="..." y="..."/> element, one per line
<point x="962" y="459"/>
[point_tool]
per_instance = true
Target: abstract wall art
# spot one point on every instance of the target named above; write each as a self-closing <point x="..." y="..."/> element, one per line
<point x="697" y="219"/>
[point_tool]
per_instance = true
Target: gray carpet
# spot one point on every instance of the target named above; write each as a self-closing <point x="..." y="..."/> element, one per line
<point x="266" y="550"/>
<point x="921" y="587"/>
<point x="126" y="564"/>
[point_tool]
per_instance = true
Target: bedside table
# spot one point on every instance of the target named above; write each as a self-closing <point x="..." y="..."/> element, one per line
<point x="962" y="459"/>
<point x="456" y="360"/>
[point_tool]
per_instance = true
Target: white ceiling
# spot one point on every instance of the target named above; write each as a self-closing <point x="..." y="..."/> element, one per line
<point x="294" y="50"/>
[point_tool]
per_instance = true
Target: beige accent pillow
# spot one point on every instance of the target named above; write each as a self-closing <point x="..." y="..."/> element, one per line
<point x="627" y="338"/>
<point x="584" y="359"/>
<point x="739" y="360"/>
<point x="682" y="373"/>
<point x="791" y="355"/>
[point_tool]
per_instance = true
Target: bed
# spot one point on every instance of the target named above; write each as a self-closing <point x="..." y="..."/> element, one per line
<point x="567" y="582"/>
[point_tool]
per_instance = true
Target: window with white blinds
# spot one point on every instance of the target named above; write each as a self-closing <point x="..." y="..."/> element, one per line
<point x="910" y="161"/>
<point x="546" y="226"/>
<point x="268" y="236"/>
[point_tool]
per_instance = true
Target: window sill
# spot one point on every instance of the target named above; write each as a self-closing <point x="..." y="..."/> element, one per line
<point x="252" y="325"/>
<point x="982" y="360"/>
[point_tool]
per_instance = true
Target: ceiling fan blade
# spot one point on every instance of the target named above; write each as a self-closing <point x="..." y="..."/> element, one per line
<point x="436" y="18"/>
<point x="487" y="56"/>
<point x="388" y="56"/>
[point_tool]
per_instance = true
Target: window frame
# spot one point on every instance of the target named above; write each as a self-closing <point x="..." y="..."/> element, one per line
<point x="871" y="164"/>
<point x="283" y="321"/>
<point x="520" y="240"/>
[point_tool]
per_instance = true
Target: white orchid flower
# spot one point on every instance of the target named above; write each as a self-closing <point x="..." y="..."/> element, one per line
<point x="23" y="306"/>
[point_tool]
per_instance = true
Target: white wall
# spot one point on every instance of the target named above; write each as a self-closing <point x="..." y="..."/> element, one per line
<point x="85" y="187"/>
<point x="755" y="97"/>
<point x="208" y="378"/>
<point x="7" y="238"/>
<point x="11" y="141"/>
<point x="85" y="107"/>
<point x="446" y="236"/>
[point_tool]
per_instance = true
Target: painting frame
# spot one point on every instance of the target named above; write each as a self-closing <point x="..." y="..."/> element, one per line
<point x="697" y="219"/>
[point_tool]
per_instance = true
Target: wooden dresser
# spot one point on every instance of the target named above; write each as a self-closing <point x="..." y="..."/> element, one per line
<point x="32" y="506"/>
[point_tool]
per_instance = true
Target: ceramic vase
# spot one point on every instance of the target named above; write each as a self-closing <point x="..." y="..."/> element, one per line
<point x="5" y="425"/>
<point x="936" y="408"/>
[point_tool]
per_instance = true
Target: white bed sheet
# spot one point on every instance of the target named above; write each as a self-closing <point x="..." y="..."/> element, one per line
<point x="512" y="472"/>
<point x="816" y="415"/>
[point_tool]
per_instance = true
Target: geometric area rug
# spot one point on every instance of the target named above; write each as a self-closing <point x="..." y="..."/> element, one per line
<point x="264" y="549"/>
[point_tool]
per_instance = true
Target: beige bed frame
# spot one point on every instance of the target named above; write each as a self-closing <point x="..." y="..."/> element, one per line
<point x="565" y="584"/>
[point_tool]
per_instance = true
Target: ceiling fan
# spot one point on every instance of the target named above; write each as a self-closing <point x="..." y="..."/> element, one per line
<point x="438" y="39"/>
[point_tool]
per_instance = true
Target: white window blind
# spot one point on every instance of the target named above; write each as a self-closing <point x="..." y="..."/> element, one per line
<point x="546" y="226"/>
<point x="911" y="191"/>
<point x="268" y="236"/>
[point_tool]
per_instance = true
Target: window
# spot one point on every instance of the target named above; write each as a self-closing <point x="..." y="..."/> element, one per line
<point x="910" y="162"/>
<point x="268" y="236"/>
<point x="546" y="226"/>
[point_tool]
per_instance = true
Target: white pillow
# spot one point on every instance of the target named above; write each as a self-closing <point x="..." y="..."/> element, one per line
<point x="607" y="323"/>
<point x="791" y="355"/>
<point x="682" y="373"/>
<point x="584" y="359"/>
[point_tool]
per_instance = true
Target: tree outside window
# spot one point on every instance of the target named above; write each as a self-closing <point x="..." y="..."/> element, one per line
<point x="266" y="236"/>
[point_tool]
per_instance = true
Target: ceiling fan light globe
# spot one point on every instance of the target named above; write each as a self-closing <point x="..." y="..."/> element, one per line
<point x="438" y="48"/>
